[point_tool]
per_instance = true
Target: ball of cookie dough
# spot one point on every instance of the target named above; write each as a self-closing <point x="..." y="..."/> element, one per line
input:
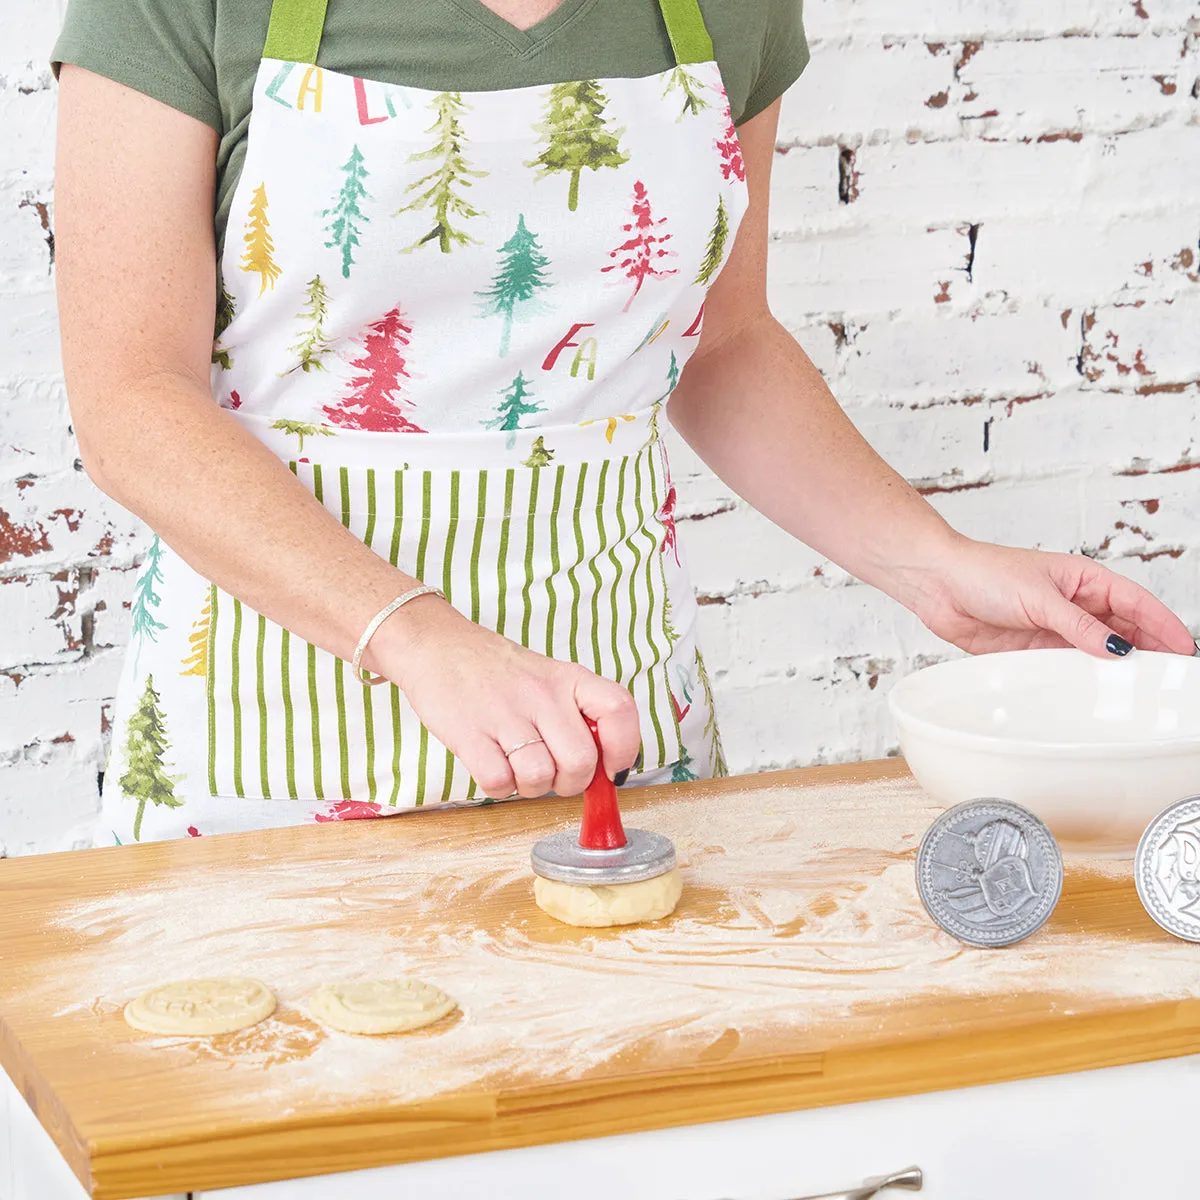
<point x="609" y="904"/>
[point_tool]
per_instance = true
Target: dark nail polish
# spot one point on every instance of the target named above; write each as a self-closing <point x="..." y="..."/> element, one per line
<point x="1117" y="645"/>
<point x="620" y="777"/>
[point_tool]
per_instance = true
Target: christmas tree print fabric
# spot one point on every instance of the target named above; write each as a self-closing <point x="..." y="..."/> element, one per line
<point x="459" y="318"/>
<point x="396" y="257"/>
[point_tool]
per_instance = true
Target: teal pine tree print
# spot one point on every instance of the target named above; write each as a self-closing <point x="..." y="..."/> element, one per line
<point x="347" y="209"/>
<point x="715" y="251"/>
<point x="539" y="456"/>
<point x="512" y="408"/>
<point x="225" y="314"/>
<point x="313" y="344"/>
<point x="521" y="275"/>
<point x="453" y="171"/>
<point x="145" y="625"/>
<point x="146" y="743"/>
<point x="681" y="79"/>
<point x="302" y="429"/>
<point x="577" y="134"/>
<point x="656" y="407"/>
<point x="682" y="772"/>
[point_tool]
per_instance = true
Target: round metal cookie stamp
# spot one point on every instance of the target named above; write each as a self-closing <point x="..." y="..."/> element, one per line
<point x="989" y="872"/>
<point x="1166" y="868"/>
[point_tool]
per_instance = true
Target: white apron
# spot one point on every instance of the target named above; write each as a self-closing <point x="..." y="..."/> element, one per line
<point x="457" y="317"/>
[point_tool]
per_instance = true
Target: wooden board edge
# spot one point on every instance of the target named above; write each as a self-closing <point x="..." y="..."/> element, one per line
<point x="529" y="1117"/>
<point x="45" y="1105"/>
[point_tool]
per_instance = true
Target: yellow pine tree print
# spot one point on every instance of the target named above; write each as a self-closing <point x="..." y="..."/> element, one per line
<point x="259" y="246"/>
<point x="610" y="424"/>
<point x="196" y="662"/>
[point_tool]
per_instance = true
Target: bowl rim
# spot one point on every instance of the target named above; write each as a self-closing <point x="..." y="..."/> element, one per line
<point x="1035" y="748"/>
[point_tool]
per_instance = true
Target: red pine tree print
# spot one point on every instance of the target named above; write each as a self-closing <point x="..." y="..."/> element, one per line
<point x="730" y="149"/>
<point x="639" y="252"/>
<point x="348" y="810"/>
<point x="666" y="515"/>
<point x="371" y="402"/>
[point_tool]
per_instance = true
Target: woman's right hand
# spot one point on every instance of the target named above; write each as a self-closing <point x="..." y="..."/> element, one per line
<point x="480" y="694"/>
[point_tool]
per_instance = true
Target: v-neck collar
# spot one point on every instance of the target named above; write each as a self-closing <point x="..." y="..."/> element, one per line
<point x="524" y="41"/>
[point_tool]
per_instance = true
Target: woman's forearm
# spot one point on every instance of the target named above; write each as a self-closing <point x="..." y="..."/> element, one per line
<point x="234" y="512"/>
<point x="759" y="414"/>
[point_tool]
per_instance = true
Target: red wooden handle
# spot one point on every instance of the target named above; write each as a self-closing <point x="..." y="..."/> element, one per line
<point x="601" y="828"/>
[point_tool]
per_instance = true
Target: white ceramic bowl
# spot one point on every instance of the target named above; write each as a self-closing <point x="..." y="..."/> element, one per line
<point x="1095" y="747"/>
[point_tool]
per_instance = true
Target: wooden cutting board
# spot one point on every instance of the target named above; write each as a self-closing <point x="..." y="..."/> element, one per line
<point x="799" y="970"/>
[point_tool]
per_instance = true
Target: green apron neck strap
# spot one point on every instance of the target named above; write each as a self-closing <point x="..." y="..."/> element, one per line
<point x="686" y="29"/>
<point x="294" y="32"/>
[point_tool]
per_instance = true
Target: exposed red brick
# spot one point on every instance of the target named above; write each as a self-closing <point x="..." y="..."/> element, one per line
<point x="1140" y="11"/>
<point x="969" y="50"/>
<point x="72" y="516"/>
<point x="943" y="297"/>
<point x="1166" y="84"/>
<point x="20" y="541"/>
<point x="1146" y="268"/>
<point x="26" y="481"/>
<point x="1177" y="468"/>
<point x="938" y="100"/>
<point x="62" y="739"/>
<point x="1155" y="389"/>
<point x="1071" y="135"/>
<point x="1066" y="316"/>
<point x="935" y="489"/>
<point x="935" y="47"/>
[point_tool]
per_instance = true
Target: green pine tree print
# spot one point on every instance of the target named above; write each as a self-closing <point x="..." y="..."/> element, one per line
<point x="453" y="171"/>
<point x="672" y="634"/>
<point x="512" y="408"/>
<point x="577" y="134"/>
<point x="347" y="209"/>
<point x="145" y="598"/>
<point x="226" y="310"/>
<point x="302" y="429"/>
<point x="539" y="456"/>
<point x="719" y="765"/>
<point x="681" y="79"/>
<point x="313" y="344"/>
<point x="146" y="743"/>
<point x="521" y="275"/>
<point x="715" y="251"/>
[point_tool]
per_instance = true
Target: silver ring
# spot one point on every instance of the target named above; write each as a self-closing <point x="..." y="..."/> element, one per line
<point x="521" y="746"/>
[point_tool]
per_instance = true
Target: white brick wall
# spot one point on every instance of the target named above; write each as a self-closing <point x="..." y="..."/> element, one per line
<point x="986" y="232"/>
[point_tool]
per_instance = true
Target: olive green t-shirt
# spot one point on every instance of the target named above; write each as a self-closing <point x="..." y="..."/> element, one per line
<point x="201" y="56"/>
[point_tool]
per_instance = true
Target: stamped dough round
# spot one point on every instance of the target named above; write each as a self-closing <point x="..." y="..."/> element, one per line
<point x="201" y="1006"/>
<point x="379" y="1005"/>
<point x="609" y="904"/>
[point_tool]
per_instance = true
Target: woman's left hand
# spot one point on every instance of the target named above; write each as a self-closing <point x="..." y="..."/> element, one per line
<point x="984" y="598"/>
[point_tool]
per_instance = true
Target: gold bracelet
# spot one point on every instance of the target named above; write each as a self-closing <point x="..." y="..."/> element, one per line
<point x="377" y="620"/>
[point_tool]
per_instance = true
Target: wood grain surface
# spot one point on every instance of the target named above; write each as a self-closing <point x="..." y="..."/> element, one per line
<point x="799" y="971"/>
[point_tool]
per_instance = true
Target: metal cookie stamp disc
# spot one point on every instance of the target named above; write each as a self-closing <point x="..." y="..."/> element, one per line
<point x="644" y="856"/>
<point x="989" y="872"/>
<point x="1166" y="868"/>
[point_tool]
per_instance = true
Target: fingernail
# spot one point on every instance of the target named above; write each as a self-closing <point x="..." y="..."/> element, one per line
<point x="620" y="777"/>
<point x="1117" y="645"/>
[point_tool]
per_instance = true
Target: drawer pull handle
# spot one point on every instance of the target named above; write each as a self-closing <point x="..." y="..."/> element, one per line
<point x="908" y="1181"/>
